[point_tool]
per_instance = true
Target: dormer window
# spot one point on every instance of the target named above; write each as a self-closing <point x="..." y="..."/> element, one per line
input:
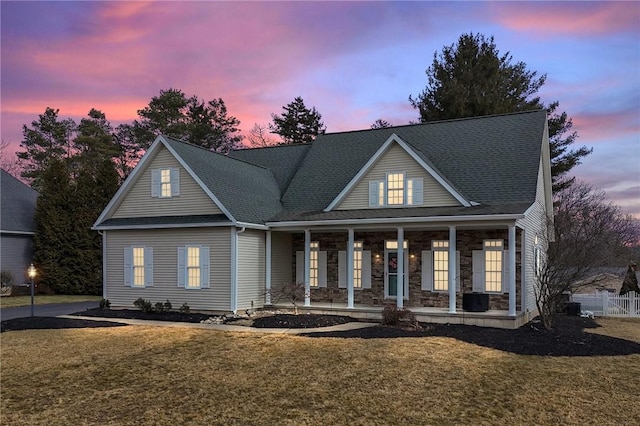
<point x="395" y="190"/>
<point x="165" y="183"/>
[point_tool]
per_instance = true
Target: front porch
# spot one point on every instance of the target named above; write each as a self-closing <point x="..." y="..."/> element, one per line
<point x="434" y="315"/>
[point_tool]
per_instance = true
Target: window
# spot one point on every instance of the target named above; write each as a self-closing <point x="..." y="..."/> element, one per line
<point x="440" y="265"/>
<point x="138" y="266"/>
<point x="357" y="264"/>
<point x="193" y="267"/>
<point x="393" y="245"/>
<point x="493" y="265"/>
<point x="165" y="183"/>
<point x="313" y="264"/>
<point x="537" y="257"/>
<point x="395" y="190"/>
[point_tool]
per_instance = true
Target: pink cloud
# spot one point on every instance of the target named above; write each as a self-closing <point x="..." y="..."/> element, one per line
<point x="575" y="18"/>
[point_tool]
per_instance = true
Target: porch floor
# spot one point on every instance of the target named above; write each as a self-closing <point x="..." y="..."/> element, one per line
<point x="491" y="318"/>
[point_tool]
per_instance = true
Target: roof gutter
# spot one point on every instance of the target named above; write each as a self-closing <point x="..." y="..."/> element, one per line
<point x="387" y="221"/>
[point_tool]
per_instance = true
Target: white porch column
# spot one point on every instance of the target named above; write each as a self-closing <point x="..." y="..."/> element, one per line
<point x="400" y="269"/>
<point x="452" y="269"/>
<point x="512" y="270"/>
<point x="307" y="267"/>
<point x="350" y="269"/>
<point x="267" y="269"/>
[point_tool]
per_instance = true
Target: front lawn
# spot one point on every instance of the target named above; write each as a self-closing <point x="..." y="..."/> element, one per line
<point x="166" y="376"/>
<point x="12" y="301"/>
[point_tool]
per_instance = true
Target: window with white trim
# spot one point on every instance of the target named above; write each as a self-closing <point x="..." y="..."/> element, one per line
<point x="493" y="251"/>
<point x="193" y="267"/>
<point x="165" y="183"/>
<point x="440" y="265"/>
<point x="313" y="263"/>
<point x="537" y="257"/>
<point x="357" y="264"/>
<point x="396" y="190"/>
<point x="138" y="266"/>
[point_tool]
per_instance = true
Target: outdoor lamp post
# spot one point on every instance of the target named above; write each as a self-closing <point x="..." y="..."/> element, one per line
<point x="32" y="275"/>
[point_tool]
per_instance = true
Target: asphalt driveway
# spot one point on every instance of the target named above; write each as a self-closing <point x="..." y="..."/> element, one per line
<point x="49" y="310"/>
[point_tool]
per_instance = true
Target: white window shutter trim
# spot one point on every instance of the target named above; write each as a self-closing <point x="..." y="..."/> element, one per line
<point x="373" y="193"/>
<point x="205" y="268"/>
<point x="427" y="270"/>
<point x="155" y="183"/>
<point x="322" y="269"/>
<point x="477" y="265"/>
<point x="417" y="192"/>
<point x="342" y="269"/>
<point x="366" y="269"/>
<point x="182" y="270"/>
<point x="175" y="182"/>
<point x="128" y="270"/>
<point x="299" y="267"/>
<point x="148" y="266"/>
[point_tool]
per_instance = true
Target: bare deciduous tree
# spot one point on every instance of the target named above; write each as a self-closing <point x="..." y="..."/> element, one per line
<point x="258" y="136"/>
<point x="293" y="292"/>
<point x="587" y="232"/>
<point x="9" y="160"/>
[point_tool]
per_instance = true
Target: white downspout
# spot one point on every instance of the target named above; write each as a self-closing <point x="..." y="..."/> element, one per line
<point x="234" y="268"/>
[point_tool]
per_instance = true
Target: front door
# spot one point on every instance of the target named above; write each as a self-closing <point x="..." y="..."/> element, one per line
<point x="391" y="273"/>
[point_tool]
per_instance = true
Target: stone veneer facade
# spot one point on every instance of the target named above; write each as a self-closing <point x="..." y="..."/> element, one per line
<point x="466" y="242"/>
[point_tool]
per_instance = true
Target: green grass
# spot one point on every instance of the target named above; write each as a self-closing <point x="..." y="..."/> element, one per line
<point x="12" y="301"/>
<point x="167" y="376"/>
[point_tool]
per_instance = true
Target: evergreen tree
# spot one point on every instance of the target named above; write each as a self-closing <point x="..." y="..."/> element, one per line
<point x="47" y="140"/>
<point x="380" y="124"/>
<point x="472" y="78"/>
<point x="297" y="124"/>
<point x="189" y="119"/>
<point x="74" y="190"/>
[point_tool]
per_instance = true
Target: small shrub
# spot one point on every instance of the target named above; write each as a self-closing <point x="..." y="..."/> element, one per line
<point x="167" y="306"/>
<point x="159" y="307"/>
<point x="391" y="315"/>
<point x="184" y="309"/>
<point x="143" y="305"/>
<point x="6" y="278"/>
<point x="105" y="304"/>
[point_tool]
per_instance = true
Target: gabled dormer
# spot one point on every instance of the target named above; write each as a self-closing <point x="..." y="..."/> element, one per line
<point x="397" y="176"/>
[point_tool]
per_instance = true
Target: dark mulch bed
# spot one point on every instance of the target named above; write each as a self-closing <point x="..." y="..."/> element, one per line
<point x="567" y="339"/>
<point x="44" y="323"/>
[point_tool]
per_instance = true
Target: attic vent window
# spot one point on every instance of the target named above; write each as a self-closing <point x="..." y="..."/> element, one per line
<point x="396" y="190"/>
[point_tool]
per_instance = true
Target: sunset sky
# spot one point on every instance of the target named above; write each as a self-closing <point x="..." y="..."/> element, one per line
<point x="354" y="62"/>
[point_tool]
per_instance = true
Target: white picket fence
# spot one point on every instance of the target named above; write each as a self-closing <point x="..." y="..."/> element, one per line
<point x="605" y="304"/>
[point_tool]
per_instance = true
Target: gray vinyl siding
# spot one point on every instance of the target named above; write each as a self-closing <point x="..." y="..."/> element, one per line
<point x="16" y="256"/>
<point x="165" y="243"/>
<point x="533" y="223"/>
<point x="251" y="269"/>
<point x="281" y="259"/>
<point x="396" y="159"/>
<point x="139" y="203"/>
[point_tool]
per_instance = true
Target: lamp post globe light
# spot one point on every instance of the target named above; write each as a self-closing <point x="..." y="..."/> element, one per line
<point x="32" y="274"/>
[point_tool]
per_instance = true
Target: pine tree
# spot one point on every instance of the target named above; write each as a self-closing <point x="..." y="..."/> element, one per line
<point x="472" y="79"/>
<point x="297" y="124"/>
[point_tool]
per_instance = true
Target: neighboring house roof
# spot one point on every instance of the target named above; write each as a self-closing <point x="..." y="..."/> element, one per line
<point x="489" y="164"/>
<point x="18" y="205"/>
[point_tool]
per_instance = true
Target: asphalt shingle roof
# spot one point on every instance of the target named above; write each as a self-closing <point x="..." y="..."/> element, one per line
<point x="249" y="192"/>
<point x="18" y="203"/>
<point x="492" y="161"/>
